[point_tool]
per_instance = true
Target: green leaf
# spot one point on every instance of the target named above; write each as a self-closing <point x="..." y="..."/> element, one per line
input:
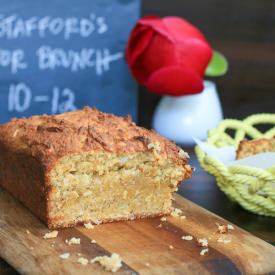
<point x="217" y="66"/>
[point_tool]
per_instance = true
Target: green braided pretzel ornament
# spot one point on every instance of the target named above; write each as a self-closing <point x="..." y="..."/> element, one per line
<point x="252" y="188"/>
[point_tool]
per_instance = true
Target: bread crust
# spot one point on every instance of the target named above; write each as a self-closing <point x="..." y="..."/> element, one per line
<point x="40" y="141"/>
<point x="53" y="225"/>
<point x="248" y="148"/>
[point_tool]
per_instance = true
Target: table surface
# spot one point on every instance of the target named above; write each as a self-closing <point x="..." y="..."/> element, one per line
<point x="202" y="189"/>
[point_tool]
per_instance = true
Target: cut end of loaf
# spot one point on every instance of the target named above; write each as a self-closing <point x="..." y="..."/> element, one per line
<point x="100" y="187"/>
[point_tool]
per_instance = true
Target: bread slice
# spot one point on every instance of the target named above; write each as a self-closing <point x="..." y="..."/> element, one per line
<point x="251" y="147"/>
<point x="88" y="166"/>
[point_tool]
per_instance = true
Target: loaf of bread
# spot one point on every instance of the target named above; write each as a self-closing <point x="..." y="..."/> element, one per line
<point x="88" y="166"/>
<point x="248" y="148"/>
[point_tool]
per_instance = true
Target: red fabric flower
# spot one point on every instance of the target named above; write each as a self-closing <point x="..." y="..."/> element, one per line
<point x="168" y="55"/>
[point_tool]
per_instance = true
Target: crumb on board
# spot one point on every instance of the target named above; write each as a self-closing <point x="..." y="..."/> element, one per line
<point x="202" y="242"/>
<point x="28" y="231"/>
<point x="64" y="256"/>
<point x="109" y="263"/>
<point x="93" y="241"/>
<point x="204" y="251"/>
<point x="147" y="264"/>
<point x="223" y="229"/>
<point x="223" y="240"/>
<point x="73" y="240"/>
<point x="89" y="225"/>
<point x="51" y="235"/>
<point x="187" y="238"/>
<point x="163" y="219"/>
<point x="31" y="248"/>
<point x="82" y="261"/>
<point x="182" y="217"/>
<point x="171" y="247"/>
<point x="176" y="212"/>
<point x="230" y="227"/>
<point x="159" y="226"/>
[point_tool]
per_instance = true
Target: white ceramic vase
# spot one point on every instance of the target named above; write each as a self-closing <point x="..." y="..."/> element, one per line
<point x="186" y="117"/>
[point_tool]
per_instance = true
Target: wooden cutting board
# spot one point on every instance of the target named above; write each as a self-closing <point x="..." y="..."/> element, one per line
<point x="143" y="246"/>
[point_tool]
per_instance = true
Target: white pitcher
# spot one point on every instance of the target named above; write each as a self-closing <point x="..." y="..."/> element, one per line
<point x="185" y="117"/>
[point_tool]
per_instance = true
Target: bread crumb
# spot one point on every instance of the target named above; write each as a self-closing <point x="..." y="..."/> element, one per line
<point x="171" y="247"/>
<point x="222" y="229"/>
<point x="159" y="226"/>
<point x="79" y="254"/>
<point x="230" y="227"/>
<point x="223" y="240"/>
<point x="147" y="264"/>
<point x="31" y="248"/>
<point x="51" y="235"/>
<point x="188" y="168"/>
<point x="155" y="146"/>
<point x="204" y="251"/>
<point x="182" y="217"/>
<point x="64" y="255"/>
<point x="176" y="212"/>
<point x="93" y="241"/>
<point x="163" y="219"/>
<point x="183" y="154"/>
<point x="89" y="225"/>
<point x="187" y="238"/>
<point x="109" y="263"/>
<point x="202" y="242"/>
<point x="27" y="231"/>
<point x="73" y="241"/>
<point x="82" y="261"/>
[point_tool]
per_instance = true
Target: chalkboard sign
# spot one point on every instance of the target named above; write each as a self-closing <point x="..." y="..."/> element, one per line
<point x="60" y="55"/>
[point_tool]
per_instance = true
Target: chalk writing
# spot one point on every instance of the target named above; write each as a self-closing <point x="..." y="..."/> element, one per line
<point x="20" y="99"/>
<point x="13" y="59"/>
<point x="13" y="26"/>
<point x="17" y="92"/>
<point x="52" y="58"/>
<point x="67" y="99"/>
<point x="62" y="56"/>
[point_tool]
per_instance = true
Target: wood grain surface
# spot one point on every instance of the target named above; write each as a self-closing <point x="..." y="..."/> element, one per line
<point x="143" y="246"/>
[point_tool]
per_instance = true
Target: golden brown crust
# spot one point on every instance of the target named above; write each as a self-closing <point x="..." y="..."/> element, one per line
<point x="40" y="141"/>
<point x="251" y="147"/>
<point x="23" y="177"/>
<point x="48" y="138"/>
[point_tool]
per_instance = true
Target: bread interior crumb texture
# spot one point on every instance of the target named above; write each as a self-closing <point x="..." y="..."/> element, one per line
<point x="103" y="186"/>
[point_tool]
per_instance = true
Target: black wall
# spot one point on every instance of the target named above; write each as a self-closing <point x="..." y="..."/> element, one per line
<point x="242" y="30"/>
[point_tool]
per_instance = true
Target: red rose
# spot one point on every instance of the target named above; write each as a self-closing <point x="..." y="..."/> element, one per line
<point x="168" y="55"/>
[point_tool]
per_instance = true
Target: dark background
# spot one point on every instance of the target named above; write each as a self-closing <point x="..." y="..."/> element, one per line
<point x="244" y="31"/>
